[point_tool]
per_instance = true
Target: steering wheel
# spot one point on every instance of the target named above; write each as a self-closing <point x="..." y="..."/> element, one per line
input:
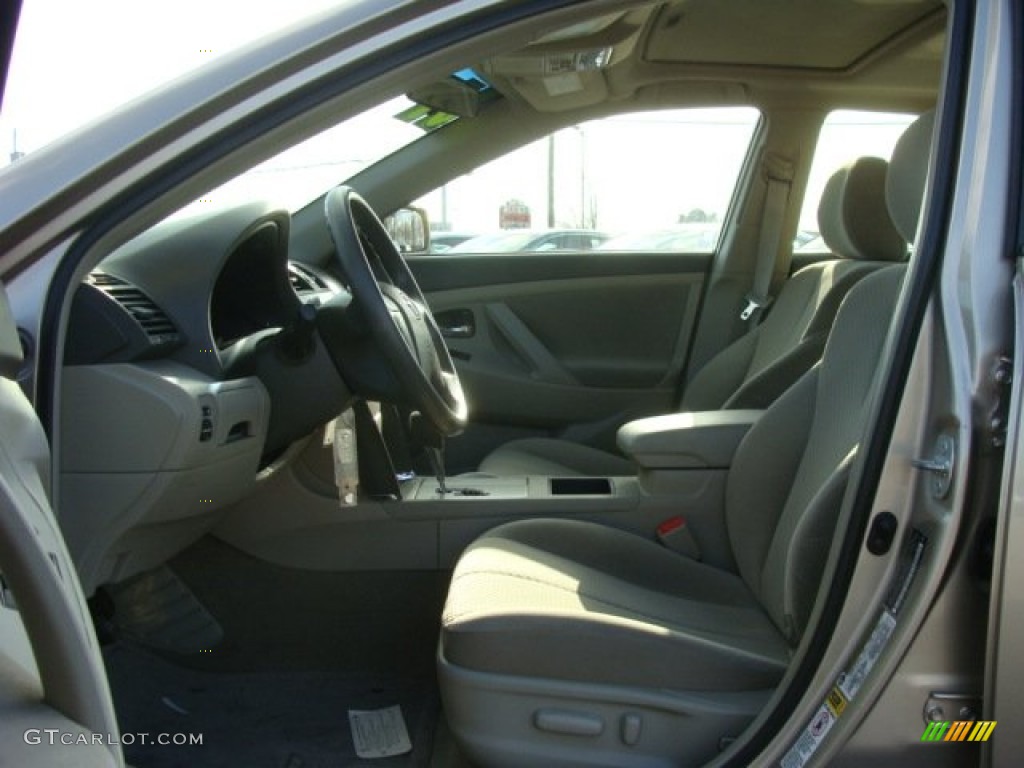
<point x="391" y="308"/>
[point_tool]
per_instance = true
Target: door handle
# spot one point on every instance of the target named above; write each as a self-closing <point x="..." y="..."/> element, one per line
<point x="456" y="323"/>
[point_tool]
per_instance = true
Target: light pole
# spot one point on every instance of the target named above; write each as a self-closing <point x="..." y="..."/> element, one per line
<point x="15" y="154"/>
<point x="551" y="181"/>
<point x="583" y="176"/>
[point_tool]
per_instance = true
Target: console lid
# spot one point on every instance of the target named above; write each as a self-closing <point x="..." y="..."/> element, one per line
<point x="697" y="440"/>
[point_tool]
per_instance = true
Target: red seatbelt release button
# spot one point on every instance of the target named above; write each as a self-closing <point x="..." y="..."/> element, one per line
<point x="675" y="534"/>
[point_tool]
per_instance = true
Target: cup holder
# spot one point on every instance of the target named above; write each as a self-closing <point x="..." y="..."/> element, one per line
<point x="581" y="486"/>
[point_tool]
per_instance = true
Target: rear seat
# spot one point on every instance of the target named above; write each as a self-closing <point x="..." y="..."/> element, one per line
<point x="758" y="367"/>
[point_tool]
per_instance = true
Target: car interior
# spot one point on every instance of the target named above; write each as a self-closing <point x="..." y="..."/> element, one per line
<point x="560" y="508"/>
<point x="753" y="371"/>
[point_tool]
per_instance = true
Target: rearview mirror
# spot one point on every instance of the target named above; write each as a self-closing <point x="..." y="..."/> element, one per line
<point x="450" y="96"/>
<point x="410" y="229"/>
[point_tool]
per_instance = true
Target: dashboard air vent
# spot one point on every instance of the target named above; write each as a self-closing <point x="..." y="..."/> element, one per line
<point x="156" y="324"/>
<point x="304" y="281"/>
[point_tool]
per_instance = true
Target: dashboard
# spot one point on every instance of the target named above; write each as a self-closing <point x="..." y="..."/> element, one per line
<point x="190" y="290"/>
<point x="176" y="388"/>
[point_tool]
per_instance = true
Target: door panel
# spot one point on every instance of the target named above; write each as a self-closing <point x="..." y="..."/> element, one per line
<point x="59" y="684"/>
<point x="576" y="342"/>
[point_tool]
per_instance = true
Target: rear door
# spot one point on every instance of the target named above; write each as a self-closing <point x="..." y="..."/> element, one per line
<point x="572" y="343"/>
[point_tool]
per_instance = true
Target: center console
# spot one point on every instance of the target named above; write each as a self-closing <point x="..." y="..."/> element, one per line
<point x="682" y="464"/>
<point x="486" y="487"/>
<point x="682" y="461"/>
<point x="668" y="450"/>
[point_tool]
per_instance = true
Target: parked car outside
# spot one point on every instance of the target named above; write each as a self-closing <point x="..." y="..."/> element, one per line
<point x="441" y="242"/>
<point x="530" y="240"/>
<point x="684" y="238"/>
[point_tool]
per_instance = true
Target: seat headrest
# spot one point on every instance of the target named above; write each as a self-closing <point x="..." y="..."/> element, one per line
<point x="853" y="217"/>
<point x="908" y="169"/>
<point x="10" y="345"/>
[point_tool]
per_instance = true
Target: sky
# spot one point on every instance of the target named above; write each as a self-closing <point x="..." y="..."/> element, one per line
<point x="75" y="61"/>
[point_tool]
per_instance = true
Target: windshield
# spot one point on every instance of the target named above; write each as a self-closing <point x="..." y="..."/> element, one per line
<point x="44" y="101"/>
<point x="302" y="172"/>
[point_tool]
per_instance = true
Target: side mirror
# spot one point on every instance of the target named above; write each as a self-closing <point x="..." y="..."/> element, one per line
<point x="410" y="229"/>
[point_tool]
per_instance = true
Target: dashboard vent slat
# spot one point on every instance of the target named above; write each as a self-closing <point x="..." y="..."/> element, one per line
<point x="304" y="281"/>
<point x="153" y="320"/>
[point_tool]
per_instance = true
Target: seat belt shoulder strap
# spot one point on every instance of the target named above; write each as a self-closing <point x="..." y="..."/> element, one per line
<point x="778" y="176"/>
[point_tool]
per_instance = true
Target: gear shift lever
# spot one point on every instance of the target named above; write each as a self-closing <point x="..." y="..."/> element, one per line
<point x="432" y="442"/>
<point x="435" y="455"/>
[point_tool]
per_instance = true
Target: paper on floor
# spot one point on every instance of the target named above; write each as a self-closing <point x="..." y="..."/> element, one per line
<point x="379" y="732"/>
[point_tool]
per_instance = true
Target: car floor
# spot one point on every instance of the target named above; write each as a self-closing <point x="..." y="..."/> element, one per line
<point x="267" y="662"/>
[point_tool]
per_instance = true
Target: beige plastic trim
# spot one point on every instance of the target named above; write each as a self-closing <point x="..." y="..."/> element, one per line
<point x="137" y="482"/>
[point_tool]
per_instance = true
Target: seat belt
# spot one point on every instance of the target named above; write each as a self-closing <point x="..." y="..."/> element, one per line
<point x="778" y="175"/>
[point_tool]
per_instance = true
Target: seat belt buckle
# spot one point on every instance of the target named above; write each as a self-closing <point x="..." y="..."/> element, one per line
<point x="754" y="304"/>
<point x="675" y="535"/>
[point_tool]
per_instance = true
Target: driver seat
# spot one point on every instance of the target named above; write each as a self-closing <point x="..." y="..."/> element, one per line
<point x="569" y="643"/>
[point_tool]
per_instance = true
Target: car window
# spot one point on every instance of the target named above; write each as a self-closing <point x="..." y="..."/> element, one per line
<point x="302" y="172"/>
<point x="650" y="181"/>
<point x="845" y="135"/>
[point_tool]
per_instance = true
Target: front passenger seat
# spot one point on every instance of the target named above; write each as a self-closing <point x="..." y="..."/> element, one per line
<point x="564" y="642"/>
<point x="759" y="366"/>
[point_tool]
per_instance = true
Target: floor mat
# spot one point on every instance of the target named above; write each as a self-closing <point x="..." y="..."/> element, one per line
<point x="271" y="719"/>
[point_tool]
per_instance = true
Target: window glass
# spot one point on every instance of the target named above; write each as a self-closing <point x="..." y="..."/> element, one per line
<point x="651" y="181"/>
<point x="845" y="136"/>
<point x="300" y="173"/>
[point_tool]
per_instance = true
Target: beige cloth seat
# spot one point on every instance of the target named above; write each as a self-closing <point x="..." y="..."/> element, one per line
<point x="607" y="596"/>
<point x="569" y="643"/>
<point x="758" y="367"/>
